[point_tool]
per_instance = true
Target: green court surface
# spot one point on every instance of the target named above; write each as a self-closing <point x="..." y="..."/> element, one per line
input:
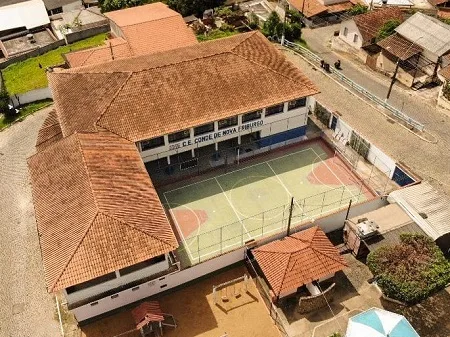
<point x="222" y="213"/>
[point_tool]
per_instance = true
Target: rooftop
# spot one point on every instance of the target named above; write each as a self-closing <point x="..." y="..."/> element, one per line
<point x="228" y="75"/>
<point x="429" y="33"/>
<point x="145" y="30"/>
<point x="29" y="14"/>
<point x="49" y="133"/>
<point x="52" y="4"/>
<point x="370" y="23"/>
<point x="311" y="8"/>
<point x="96" y="209"/>
<point x="298" y="259"/>
<point x="429" y="208"/>
<point x="398" y="46"/>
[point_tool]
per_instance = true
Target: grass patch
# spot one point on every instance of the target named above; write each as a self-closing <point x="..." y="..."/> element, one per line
<point x="24" y="111"/>
<point x="26" y="75"/>
<point x="411" y="270"/>
<point x="302" y="43"/>
<point x="215" y="34"/>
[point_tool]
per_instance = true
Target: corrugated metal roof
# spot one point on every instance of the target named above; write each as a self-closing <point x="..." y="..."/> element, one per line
<point x="429" y="33"/>
<point x="429" y="208"/>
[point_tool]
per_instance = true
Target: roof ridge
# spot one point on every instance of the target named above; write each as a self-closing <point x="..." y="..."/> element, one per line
<point x="130" y="74"/>
<point x="327" y="255"/>
<point x="285" y="272"/>
<point x="139" y="23"/>
<point x="135" y="228"/>
<point x="75" y="250"/>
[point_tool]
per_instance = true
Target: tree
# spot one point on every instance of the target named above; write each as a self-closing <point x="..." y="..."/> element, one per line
<point x="294" y="16"/>
<point x="197" y="7"/>
<point x="358" y="9"/>
<point x="4" y="102"/>
<point x="388" y="29"/>
<point x="113" y="5"/>
<point x="272" y="24"/>
<point x="446" y="90"/>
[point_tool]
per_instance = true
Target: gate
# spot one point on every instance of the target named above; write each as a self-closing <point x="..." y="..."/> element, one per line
<point x="333" y="122"/>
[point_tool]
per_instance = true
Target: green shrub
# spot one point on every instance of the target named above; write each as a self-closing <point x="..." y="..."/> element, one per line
<point x="358" y="9"/>
<point x="271" y="26"/>
<point x="388" y="29"/>
<point x="4" y="102"/>
<point x="411" y="270"/>
<point x="294" y="16"/>
<point x="226" y="27"/>
<point x="446" y="90"/>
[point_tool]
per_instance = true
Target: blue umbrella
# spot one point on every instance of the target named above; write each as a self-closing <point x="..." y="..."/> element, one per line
<point x="379" y="323"/>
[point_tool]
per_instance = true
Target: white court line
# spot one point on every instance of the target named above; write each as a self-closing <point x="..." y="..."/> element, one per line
<point x="333" y="173"/>
<point x="234" y="209"/>
<point x="179" y="229"/>
<point x="281" y="182"/>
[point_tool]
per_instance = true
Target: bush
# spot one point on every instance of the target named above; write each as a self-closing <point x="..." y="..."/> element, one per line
<point x="411" y="270"/>
<point x="272" y="24"/>
<point x="446" y="90"/>
<point x="294" y="16"/>
<point x="4" y="101"/>
<point x="226" y="28"/>
<point x="388" y="29"/>
<point x="358" y="9"/>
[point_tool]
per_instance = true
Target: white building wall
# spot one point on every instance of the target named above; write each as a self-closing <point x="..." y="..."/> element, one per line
<point x="349" y="37"/>
<point x="156" y="286"/>
<point x="119" y="281"/>
<point x="270" y="125"/>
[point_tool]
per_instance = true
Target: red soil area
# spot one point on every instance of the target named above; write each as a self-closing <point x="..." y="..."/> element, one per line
<point x="189" y="220"/>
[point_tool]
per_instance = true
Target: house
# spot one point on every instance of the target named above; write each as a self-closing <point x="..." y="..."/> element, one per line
<point x="361" y="31"/>
<point x="55" y="7"/>
<point x="319" y="12"/>
<point x="137" y="31"/>
<point x="301" y="260"/>
<point x="107" y="242"/>
<point x="22" y="17"/>
<point x="417" y="48"/>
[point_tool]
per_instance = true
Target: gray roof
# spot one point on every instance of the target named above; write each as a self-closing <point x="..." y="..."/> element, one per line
<point x="429" y="33"/>
<point x="392" y="237"/>
<point x="52" y="4"/>
<point x="10" y="2"/>
<point x="426" y="206"/>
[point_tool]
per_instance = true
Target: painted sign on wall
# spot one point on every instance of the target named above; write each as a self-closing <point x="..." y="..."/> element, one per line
<point x="218" y="134"/>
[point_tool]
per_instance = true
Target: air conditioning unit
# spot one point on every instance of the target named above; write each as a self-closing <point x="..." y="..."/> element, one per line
<point x="367" y="228"/>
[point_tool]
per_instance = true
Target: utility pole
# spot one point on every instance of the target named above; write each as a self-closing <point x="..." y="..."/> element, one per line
<point x="290" y="217"/>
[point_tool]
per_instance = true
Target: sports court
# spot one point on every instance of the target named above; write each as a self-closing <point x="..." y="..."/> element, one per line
<point x="224" y="211"/>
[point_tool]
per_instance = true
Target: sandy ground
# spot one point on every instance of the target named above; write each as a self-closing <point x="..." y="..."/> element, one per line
<point x="196" y="314"/>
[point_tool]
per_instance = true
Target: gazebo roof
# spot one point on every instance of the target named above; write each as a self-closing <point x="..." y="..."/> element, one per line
<point x="298" y="259"/>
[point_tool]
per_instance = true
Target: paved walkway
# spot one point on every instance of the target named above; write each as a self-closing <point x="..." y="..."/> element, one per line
<point x="430" y="161"/>
<point x="26" y="309"/>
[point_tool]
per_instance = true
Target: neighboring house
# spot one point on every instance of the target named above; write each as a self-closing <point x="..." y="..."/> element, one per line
<point x="136" y="31"/>
<point x="55" y="7"/>
<point x="104" y="236"/>
<point x="418" y="47"/>
<point x="22" y="16"/>
<point x="317" y="12"/>
<point x="360" y="32"/>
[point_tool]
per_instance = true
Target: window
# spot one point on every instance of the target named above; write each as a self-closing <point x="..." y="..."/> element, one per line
<point x="355" y="38"/>
<point x="273" y="110"/>
<point x="298" y="103"/>
<point x="152" y="143"/>
<point x="141" y="265"/>
<point x="91" y="283"/>
<point x="251" y="116"/>
<point x="54" y="11"/>
<point x="345" y="31"/>
<point x="175" y="137"/>
<point x="226" y="123"/>
<point x="199" y="130"/>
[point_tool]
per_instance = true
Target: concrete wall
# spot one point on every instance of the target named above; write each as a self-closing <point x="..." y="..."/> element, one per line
<point x="85" y="33"/>
<point x="442" y="101"/>
<point x="352" y="30"/>
<point x="156" y="286"/>
<point x="117" y="282"/>
<point x="267" y="125"/>
<point x="31" y="96"/>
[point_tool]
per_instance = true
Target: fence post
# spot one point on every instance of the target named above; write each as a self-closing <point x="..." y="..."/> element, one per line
<point x="221" y="240"/>
<point x="198" y="247"/>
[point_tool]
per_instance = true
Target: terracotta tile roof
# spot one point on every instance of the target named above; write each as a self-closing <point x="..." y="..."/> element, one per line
<point x="370" y="23"/>
<point x="96" y="209"/>
<point x="147" y="312"/>
<point x="50" y="132"/>
<point x="113" y="49"/>
<point x="445" y="72"/>
<point x="398" y="46"/>
<point x="340" y="7"/>
<point x="444" y="13"/>
<point x="183" y="88"/>
<point x="310" y="7"/>
<point x="298" y="259"/>
<point x="139" y="14"/>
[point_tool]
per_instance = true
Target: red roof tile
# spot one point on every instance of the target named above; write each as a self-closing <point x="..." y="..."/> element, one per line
<point x="398" y="46"/>
<point x="147" y="312"/>
<point x="50" y="132"/>
<point x="183" y="88"/>
<point x="370" y="23"/>
<point x="96" y="209"/>
<point x="298" y="259"/>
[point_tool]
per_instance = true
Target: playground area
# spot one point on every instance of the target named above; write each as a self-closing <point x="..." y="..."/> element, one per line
<point x="196" y="314"/>
<point x="222" y="212"/>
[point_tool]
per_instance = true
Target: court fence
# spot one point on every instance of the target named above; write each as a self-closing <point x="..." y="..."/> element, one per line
<point x="207" y="245"/>
<point x="316" y="59"/>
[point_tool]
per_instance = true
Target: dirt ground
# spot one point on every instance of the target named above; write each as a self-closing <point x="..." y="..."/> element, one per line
<point x="197" y="315"/>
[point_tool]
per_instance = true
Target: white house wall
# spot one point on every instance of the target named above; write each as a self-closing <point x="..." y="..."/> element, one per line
<point x="117" y="282"/>
<point x="352" y="30"/>
<point x="156" y="286"/>
<point x="270" y="125"/>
